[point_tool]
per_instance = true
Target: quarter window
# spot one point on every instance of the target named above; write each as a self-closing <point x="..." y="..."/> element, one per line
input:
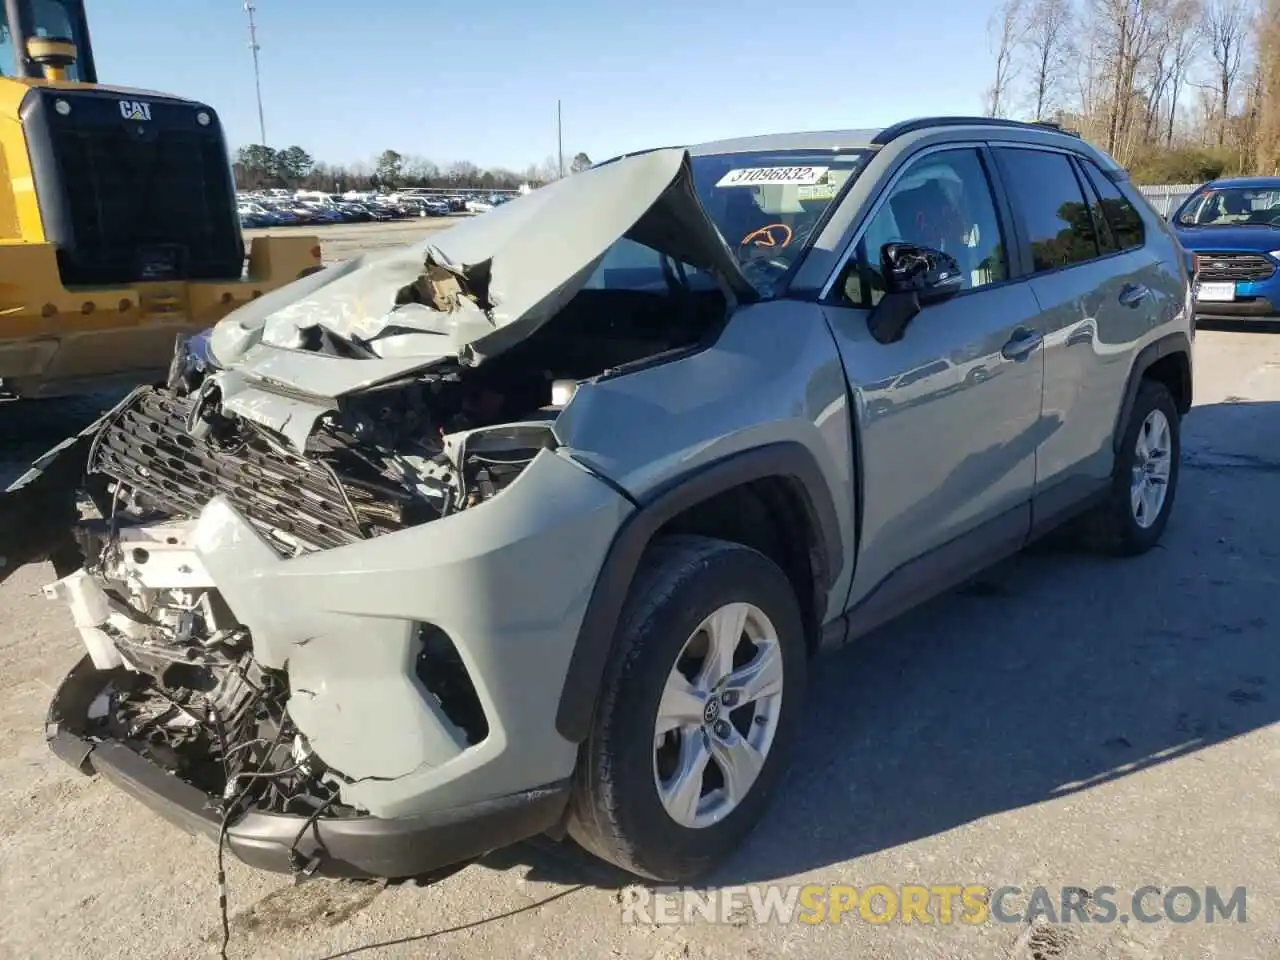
<point x="1044" y="189"/>
<point x="943" y="201"/>
<point x="1121" y="215"/>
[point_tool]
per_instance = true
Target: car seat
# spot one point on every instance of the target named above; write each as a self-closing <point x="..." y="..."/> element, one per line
<point x="1234" y="204"/>
<point x="927" y="216"/>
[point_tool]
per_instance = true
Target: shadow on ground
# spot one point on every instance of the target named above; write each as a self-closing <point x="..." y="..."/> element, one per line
<point x="1050" y="674"/>
<point x="30" y="428"/>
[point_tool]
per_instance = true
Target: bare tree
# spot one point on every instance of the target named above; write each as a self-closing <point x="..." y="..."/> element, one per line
<point x="1171" y="54"/>
<point x="1089" y="78"/>
<point x="1267" y="158"/>
<point x="1004" y="32"/>
<point x="419" y="168"/>
<point x="1226" y="25"/>
<point x="461" y="172"/>
<point x="1129" y="33"/>
<point x="1187" y="34"/>
<point x="1048" y="45"/>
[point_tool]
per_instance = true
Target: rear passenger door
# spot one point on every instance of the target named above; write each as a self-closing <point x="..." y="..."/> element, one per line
<point x="1094" y="281"/>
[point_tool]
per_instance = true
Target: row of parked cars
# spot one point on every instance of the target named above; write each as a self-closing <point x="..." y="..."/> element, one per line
<point x="276" y="208"/>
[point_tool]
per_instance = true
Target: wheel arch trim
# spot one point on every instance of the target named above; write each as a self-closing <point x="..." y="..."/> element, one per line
<point x="787" y="459"/>
<point x="1166" y="346"/>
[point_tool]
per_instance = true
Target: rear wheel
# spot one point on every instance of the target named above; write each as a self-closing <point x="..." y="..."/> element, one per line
<point x="696" y="713"/>
<point x="1145" y="481"/>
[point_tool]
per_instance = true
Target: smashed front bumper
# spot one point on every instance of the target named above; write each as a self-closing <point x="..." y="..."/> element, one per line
<point x="353" y="847"/>
<point x="506" y="582"/>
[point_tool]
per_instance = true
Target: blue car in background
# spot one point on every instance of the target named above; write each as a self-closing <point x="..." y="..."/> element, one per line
<point x="1232" y="228"/>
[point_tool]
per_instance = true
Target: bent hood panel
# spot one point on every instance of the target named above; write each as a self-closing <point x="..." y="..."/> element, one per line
<point x="503" y="274"/>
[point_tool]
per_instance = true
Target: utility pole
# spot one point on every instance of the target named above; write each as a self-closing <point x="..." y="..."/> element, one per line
<point x="250" y="8"/>
<point x="559" y="140"/>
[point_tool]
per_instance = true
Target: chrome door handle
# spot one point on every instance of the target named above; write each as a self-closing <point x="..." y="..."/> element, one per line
<point x="1133" y="294"/>
<point x="1022" y="343"/>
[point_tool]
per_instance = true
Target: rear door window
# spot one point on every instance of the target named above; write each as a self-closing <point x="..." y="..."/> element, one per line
<point x="1054" y="213"/>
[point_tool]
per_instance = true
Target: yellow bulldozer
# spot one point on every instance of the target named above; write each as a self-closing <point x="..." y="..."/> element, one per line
<point x="119" y="230"/>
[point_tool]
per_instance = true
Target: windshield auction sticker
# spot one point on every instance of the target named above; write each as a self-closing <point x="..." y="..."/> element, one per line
<point x="756" y="176"/>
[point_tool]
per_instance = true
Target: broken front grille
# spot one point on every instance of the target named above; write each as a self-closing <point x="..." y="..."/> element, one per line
<point x="1234" y="266"/>
<point x="293" y="500"/>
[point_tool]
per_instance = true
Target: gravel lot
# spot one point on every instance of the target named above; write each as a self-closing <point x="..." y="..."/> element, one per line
<point x="346" y="240"/>
<point x="1064" y="721"/>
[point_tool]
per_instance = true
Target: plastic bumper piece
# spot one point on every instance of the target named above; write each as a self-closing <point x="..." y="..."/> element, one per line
<point x="342" y="847"/>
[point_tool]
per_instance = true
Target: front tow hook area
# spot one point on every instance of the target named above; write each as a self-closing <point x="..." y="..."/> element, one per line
<point x="356" y="847"/>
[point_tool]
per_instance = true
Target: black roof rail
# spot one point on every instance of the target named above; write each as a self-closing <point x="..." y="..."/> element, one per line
<point x="892" y="132"/>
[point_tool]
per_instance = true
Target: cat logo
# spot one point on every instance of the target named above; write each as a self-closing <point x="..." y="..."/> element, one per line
<point x="135" y="110"/>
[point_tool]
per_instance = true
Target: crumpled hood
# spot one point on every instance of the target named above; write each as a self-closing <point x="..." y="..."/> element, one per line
<point x="1257" y="239"/>
<point x="476" y="288"/>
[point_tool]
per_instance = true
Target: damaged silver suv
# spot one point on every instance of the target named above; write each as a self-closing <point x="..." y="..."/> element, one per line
<point x="534" y="527"/>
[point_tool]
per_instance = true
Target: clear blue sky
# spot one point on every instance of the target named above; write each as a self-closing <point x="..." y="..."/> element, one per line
<point x="479" y="81"/>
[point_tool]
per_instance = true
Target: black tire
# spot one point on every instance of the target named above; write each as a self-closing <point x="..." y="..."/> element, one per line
<point x="616" y="812"/>
<point x="1112" y="528"/>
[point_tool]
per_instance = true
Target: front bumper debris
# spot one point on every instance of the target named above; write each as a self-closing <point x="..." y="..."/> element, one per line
<point x="350" y="847"/>
<point x="412" y="676"/>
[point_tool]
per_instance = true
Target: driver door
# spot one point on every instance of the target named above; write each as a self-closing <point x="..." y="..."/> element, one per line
<point x="950" y="415"/>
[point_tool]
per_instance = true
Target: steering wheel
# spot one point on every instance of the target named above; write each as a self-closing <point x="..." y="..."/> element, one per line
<point x="770" y="236"/>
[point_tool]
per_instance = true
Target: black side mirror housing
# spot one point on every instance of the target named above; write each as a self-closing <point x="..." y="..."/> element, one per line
<point x="914" y="277"/>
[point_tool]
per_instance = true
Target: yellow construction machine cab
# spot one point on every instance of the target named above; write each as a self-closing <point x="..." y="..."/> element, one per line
<point x="119" y="230"/>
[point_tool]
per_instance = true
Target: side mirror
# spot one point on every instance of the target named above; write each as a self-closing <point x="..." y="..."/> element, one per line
<point x="914" y="277"/>
<point x="930" y="274"/>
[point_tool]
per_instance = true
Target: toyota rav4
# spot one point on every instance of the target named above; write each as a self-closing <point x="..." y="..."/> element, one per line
<point x="535" y="527"/>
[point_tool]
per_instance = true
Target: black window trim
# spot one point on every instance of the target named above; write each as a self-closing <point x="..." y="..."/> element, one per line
<point x="1082" y="184"/>
<point x="830" y="294"/>
<point x="1101" y="225"/>
<point x="1023" y="234"/>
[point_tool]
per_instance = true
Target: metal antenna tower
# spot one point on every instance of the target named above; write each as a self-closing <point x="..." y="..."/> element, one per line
<point x="250" y="8"/>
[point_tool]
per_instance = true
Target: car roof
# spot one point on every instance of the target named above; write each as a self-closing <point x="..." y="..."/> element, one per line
<point x="920" y="129"/>
<point x="869" y="139"/>
<point x="1245" y="182"/>
<point x="810" y="140"/>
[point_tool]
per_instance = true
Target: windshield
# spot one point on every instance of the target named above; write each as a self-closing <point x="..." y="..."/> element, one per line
<point x="768" y="204"/>
<point x="1233" y="207"/>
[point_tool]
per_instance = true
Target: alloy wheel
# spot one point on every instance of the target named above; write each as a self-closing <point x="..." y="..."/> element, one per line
<point x="718" y="715"/>
<point x="1152" y="462"/>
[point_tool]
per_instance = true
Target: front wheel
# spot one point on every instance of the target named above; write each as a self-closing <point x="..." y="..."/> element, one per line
<point x="697" y="710"/>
